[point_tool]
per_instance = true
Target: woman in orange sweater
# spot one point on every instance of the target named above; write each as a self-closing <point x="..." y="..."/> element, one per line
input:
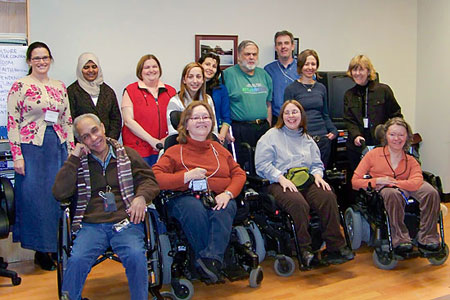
<point x="398" y="176"/>
<point x="198" y="165"/>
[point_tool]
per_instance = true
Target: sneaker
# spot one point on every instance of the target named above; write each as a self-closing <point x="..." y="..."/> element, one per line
<point x="430" y="247"/>
<point x="210" y="268"/>
<point x="341" y="256"/>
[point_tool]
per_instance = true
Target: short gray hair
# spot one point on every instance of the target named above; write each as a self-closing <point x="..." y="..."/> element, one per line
<point x="79" y="119"/>
<point x="244" y="44"/>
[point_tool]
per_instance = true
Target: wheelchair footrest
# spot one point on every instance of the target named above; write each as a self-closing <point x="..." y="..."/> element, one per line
<point x="407" y="255"/>
<point x="235" y="273"/>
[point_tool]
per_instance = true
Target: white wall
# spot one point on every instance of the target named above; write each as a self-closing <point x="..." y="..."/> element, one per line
<point x="433" y="108"/>
<point x="120" y="32"/>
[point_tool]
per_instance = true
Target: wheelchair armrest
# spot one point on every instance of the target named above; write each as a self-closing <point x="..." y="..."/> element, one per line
<point x="255" y="180"/>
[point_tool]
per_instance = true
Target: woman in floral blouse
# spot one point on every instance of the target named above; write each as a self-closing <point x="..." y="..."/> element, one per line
<point x="40" y="133"/>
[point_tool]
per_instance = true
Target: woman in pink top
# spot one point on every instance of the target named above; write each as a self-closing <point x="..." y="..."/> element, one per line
<point x="40" y="133"/>
<point x="398" y="176"/>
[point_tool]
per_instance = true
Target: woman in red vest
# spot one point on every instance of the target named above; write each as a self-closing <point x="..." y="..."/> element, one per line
<point x="144" y="106"/>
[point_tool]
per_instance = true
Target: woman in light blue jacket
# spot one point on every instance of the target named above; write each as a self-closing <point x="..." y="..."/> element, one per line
<point x="288" y="146"/>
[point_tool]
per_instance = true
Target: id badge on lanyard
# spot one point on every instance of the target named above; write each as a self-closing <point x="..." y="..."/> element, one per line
<point x="366" y="104"/>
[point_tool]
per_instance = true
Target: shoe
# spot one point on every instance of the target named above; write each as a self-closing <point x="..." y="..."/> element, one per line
<point x="211" y="268"/>
<point x="307" y="257"/>
<point x="44" y="261"/>
<point x="429" y="247"/>
<point x="404" y="248"/>
<point x="341" y="256"/>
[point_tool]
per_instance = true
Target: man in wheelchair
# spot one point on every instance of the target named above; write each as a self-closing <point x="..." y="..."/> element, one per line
<point x="113" y="186"/>
<point x="398" y="177"/>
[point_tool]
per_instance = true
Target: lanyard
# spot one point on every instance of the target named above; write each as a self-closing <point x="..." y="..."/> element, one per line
<point x="215" y="154"/>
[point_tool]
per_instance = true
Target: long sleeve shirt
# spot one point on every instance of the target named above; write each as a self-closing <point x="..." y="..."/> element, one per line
<point x="227" y="174"/>
<point x="376" y="163"/>
<point x="28" y="102"/>
<point x="278" y="150"/>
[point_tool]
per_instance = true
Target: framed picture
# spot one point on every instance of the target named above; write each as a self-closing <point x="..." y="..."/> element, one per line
<point x="223" y="45"/>
<point x="296" y="49"/>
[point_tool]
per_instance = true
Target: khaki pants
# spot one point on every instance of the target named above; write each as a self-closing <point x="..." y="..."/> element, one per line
<point x="429" y="202"/>
<point x="298" y="204"/>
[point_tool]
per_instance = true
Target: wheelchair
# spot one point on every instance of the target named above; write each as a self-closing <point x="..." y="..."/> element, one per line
<point x="65" y="242"/>
<point x="240" y="261"/>
<point x="278" y="228"/>
<point x="7" y="218"/>
<point x="367" y="221"/>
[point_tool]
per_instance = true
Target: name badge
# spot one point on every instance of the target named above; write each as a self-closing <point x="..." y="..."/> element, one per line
<point x="51" y="116"/>
<point x="366" y="122"/>
<point x="109" y="201"/>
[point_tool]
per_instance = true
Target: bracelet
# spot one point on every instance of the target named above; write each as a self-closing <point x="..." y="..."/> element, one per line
<point x="229" y="194"/>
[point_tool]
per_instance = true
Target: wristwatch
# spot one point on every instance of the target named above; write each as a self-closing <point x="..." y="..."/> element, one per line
<point x="229" y="194"/>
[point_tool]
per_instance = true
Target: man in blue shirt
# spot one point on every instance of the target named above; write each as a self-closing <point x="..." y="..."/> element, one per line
<point x="283" y="70"/>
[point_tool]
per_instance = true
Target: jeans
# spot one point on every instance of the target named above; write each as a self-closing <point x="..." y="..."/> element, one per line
<point x="208" y="231"/>
<point x="92" y="240"/>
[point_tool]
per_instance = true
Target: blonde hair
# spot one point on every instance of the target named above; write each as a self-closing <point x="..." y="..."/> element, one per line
<point x="400" y="122"/>
<point x="364" y="62"/>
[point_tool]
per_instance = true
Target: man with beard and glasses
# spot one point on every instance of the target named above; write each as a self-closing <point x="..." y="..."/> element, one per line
<point x="283" y="70"/>
<point x="250" y="92"/>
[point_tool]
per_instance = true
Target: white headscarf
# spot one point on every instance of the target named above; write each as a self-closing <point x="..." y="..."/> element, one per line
<point x="91" y="87"/>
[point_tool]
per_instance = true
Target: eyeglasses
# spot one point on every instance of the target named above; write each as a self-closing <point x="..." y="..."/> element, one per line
<point x="294" y="112"/>
<point x="197" y="118"/>
<point x="38" y="59"/>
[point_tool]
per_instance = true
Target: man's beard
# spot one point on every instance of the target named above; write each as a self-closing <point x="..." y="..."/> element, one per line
<point x="248" y="66"/>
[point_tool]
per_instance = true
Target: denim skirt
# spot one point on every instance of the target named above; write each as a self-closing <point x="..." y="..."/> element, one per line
<point x="37" y="210"/>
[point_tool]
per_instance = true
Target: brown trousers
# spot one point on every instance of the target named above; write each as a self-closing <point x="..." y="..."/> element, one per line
<point x="429" y="204"/>
<point x="298" y="204"/>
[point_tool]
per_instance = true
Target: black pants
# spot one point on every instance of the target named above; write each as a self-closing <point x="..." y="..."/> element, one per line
<point x="250" y="134"/>
<point x="324" y="145"/>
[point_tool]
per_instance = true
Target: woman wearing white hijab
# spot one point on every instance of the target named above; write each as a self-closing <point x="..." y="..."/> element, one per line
<point x="89" y="94"/>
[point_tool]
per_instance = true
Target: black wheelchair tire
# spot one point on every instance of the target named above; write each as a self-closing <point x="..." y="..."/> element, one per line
<point x="257" y="240"/>
<point x="284" y="266"/>
<point x="384" y="263"/>
<point x="353" y="223"/>
<point x="256" y="277"/>
<point x="185" y="290"/>
<point x="166" y="259"/>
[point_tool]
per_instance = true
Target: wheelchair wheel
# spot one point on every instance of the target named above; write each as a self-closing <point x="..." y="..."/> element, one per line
<point x="166" y="259"/>
<point x="182" y="289"/>
<point x="168" y="296"/>
<point x="353" y="223"/>
<point x="284" y="266"/>
<point x="440" y="258"/>
<point x="256" y="276"/>
<point x="257" y="241"/>
<point x="384" y="262"/>
<point x="242" y="234"/>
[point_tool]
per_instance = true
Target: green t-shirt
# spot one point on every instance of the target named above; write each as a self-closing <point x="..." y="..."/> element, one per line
<point x="248" y="94"/>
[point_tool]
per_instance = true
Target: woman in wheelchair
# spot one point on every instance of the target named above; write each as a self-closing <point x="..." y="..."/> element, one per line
<point x="398" y="176"/>
<point x="208" y="179"/>
<point x="286" y="148"/>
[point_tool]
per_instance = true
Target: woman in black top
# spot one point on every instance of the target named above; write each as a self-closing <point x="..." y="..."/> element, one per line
<point x="89" y="94"/>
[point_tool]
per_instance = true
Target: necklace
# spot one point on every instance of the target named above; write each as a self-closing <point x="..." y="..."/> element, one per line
<point x="309" y="86"/>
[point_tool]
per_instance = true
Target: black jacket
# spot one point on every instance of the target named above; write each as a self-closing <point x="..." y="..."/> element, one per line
<point x="107" y="108"/>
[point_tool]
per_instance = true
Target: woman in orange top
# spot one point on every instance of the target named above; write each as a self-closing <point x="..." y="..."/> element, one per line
<point x="398" y="176"/>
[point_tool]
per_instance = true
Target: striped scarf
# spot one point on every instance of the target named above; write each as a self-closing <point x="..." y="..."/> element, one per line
<point x="124" y="175"/>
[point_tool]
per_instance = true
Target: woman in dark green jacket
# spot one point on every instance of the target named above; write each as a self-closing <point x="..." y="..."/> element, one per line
<point x="366" y="105"/>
